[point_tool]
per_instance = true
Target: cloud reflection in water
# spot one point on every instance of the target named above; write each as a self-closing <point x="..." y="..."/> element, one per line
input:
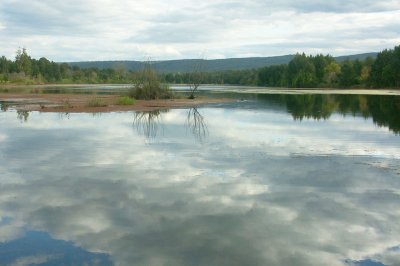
<point x="261" y="189"/>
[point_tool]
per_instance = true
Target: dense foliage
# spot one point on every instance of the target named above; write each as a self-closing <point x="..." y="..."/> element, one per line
<point x="301" y="72"/>
<point x="385" y="71"/>
<point x="312" y="71"/>
<point x="233" y="77"/>
<point x="26" y="70"/>
<point x="187" y="65"/>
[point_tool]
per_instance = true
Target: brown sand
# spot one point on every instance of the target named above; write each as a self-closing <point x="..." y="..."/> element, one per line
<point x="77" y="103"/>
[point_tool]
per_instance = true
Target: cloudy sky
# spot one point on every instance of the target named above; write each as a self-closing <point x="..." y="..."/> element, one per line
<point x="71" y="30"/>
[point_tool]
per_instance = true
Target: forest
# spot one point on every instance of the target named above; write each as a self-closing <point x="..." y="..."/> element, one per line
<point x="303" y="71"/>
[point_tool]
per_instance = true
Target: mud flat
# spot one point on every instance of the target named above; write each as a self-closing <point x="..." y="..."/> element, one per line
<point x="78" y="103"/>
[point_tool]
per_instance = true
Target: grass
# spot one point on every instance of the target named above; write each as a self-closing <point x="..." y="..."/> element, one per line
<point x="96" y="102"/>
<point x="66" y="104"/>
<point x="125" y="100"/>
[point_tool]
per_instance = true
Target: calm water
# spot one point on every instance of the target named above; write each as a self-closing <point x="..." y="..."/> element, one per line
<point x="268" y="180"/>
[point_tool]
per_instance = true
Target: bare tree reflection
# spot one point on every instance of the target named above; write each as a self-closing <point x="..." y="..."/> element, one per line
<point x="64" y="115"/>
<point x="147" y="123"/>
<point x="196" y="124"/>
<point x="23" y="115"/>
<point x="4" y="107"/>
<point x="96" y="114"/>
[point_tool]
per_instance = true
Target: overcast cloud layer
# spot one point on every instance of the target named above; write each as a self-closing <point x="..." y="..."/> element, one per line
<point x="135" y="30"/>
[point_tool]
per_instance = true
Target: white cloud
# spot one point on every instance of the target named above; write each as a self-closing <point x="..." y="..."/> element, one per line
<point x="31" y="260"/>
<point x="100" y="30"/>
<point x="3" y="137"/>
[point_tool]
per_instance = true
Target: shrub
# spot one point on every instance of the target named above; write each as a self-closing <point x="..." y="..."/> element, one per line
<point x="19" y="78"/>
<point x="125" y="100"/>
<point x="148" y="87"/>
<point x="96" y="102"/>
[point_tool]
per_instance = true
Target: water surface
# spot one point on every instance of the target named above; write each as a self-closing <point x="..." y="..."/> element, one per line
<point x="266" y="180"/>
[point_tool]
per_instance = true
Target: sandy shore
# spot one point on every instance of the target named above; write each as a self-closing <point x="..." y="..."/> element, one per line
<point x="77" y="103"/>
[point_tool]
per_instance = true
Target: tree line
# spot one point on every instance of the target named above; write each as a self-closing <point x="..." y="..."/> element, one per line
<point x="323" y="71"/>
<point x="27" y="70"/>
<point x="303" y="71"/>
<point x="308" y="71"/>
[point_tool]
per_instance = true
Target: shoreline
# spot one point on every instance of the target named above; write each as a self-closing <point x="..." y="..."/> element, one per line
<point x="266" y="90"/>
<point x="10" y="85"/>
<point x="78" y="103"/>
<point x="5" y="85"/>
<point x="75" y="100"/>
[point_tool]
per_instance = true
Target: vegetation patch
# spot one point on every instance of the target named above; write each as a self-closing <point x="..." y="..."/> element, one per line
<point x="96" y="102"/>
<point x="66" y="104"/>
<point x="147" y="86"/>
<point x="125" y="100"/>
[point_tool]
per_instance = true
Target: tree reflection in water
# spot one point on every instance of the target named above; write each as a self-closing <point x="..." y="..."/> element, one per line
<point x="23" y="115"/>
<point x="196" y="124"/>
<point x="383" y="109"/>
<point x="4" y="107"/>
<point x="148" y="123"/>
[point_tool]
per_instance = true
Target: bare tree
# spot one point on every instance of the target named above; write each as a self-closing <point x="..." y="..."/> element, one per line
<point x="196" y="77"/>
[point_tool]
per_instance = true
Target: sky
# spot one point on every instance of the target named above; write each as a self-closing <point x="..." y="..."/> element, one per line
<point x="89" y="30"/>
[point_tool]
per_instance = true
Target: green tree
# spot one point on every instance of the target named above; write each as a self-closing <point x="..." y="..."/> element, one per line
<point x="347" y="76"/>
<point x="332" y="71"/>
<point x="385" y="72"/>
<point x="4" y="65"/>
<point x="23" y="62"/>
<point x="272" y="76"/>
<point x="301" y="72"/>
<point x="320" y="63"/>
<point x="366" y="70"/>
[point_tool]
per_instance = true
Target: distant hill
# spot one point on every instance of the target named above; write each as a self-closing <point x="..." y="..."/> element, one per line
<point x="355" y="57"/>
<point x="188" y="65"/>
